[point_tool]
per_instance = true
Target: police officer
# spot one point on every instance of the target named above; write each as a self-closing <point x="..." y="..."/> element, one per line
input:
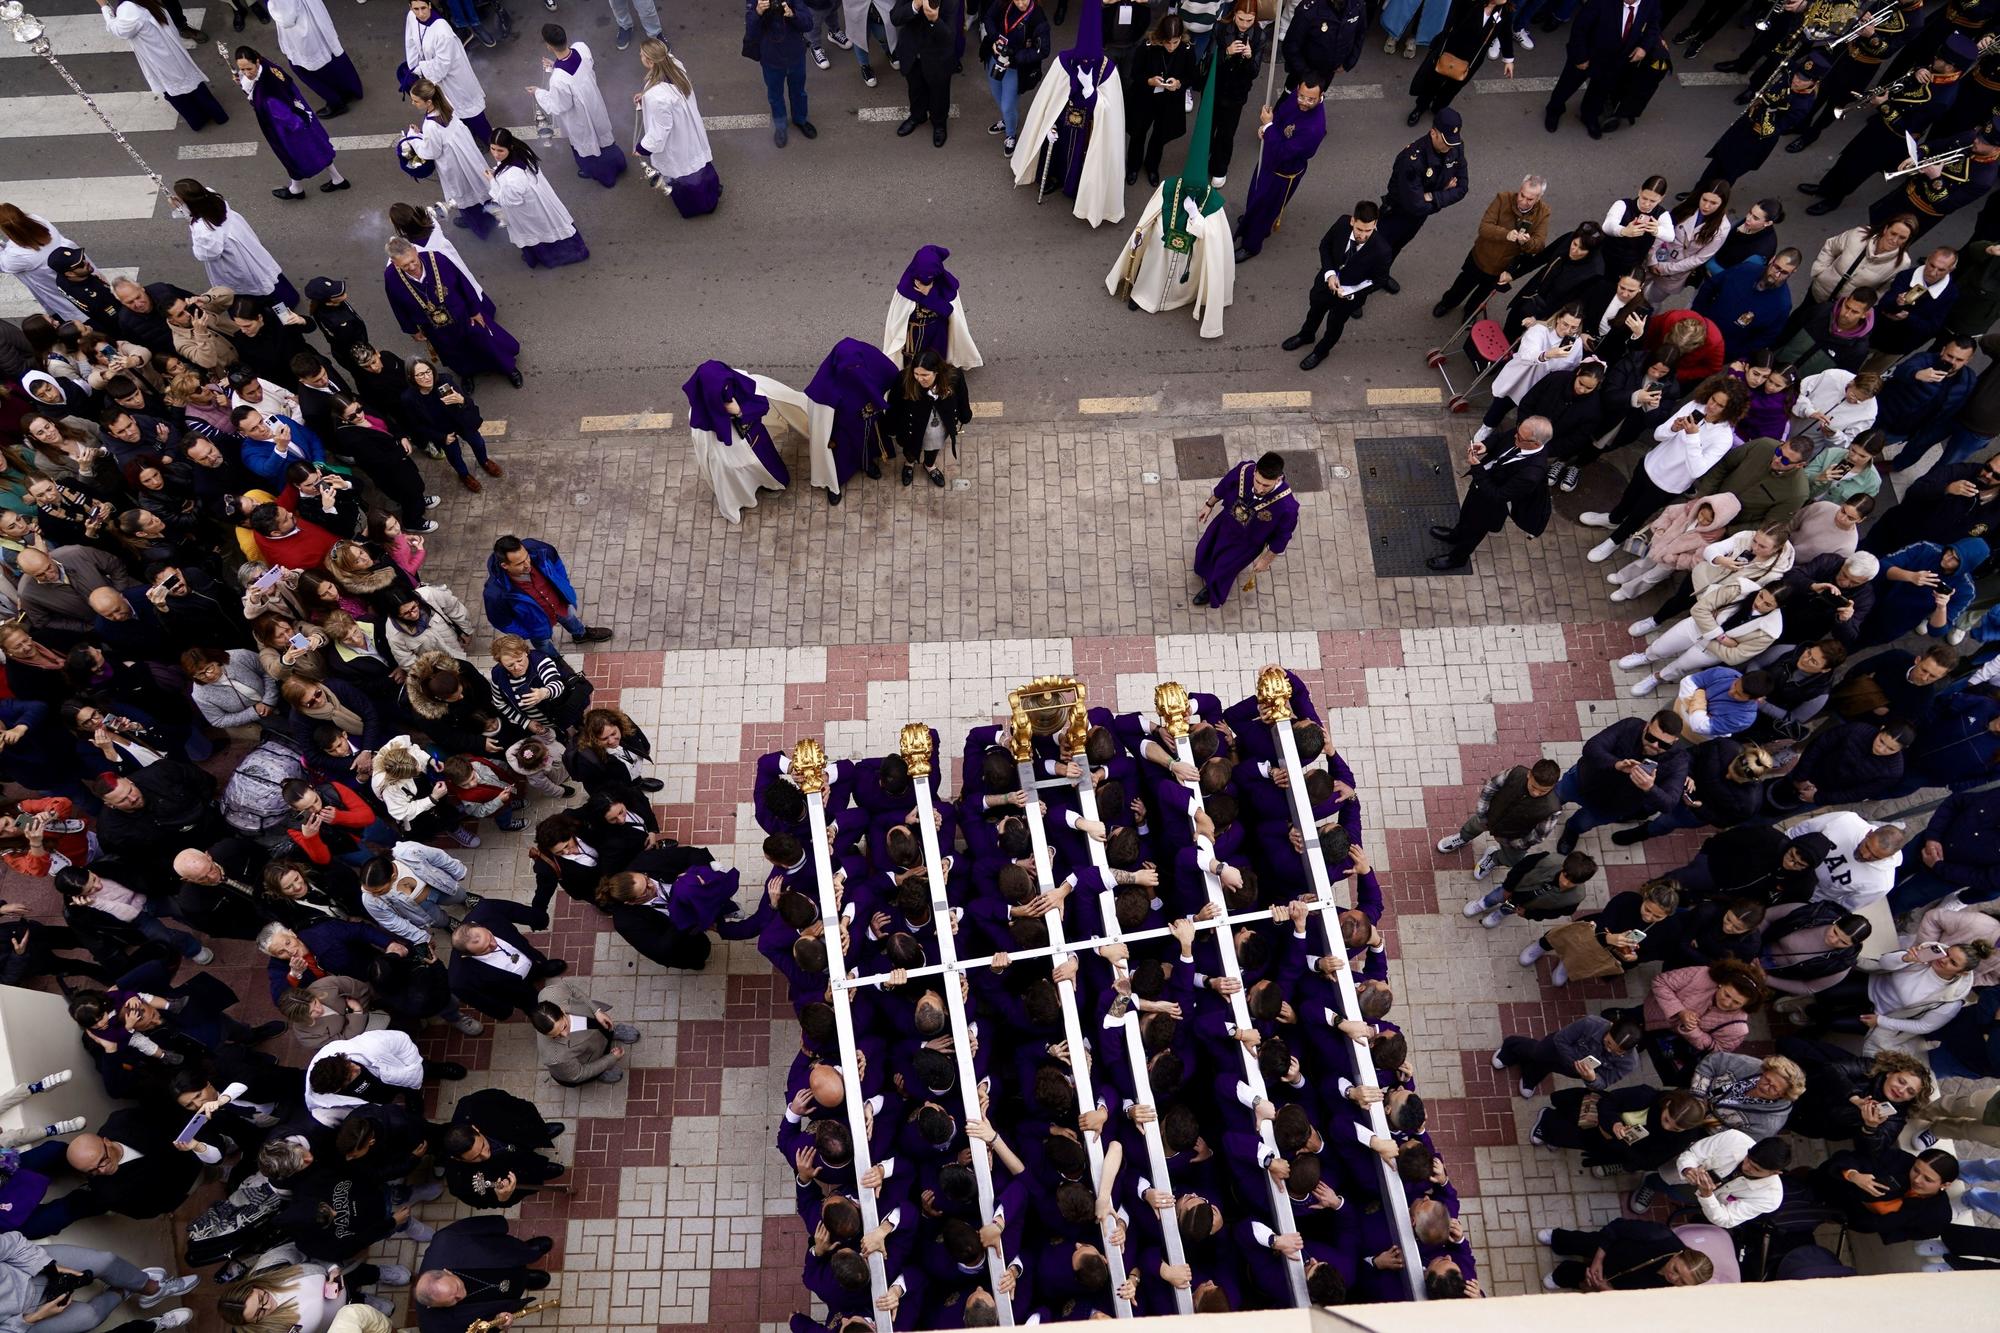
<point x="1428" y="177"/>
<point x="1910" y="110"/>
<point x="1778" y="109"/>
<point x="1324" y="39"/>
<point x="1939" y="191"/>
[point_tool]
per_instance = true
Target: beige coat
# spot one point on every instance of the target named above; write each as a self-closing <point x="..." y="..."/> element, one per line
<point x="1842" y="249"/>
<point x="1753" y="636"/>
<point x="574" y="1058"/>
<point x="206" y="342"/>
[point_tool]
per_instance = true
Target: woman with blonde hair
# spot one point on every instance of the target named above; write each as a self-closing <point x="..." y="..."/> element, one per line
<point x="673" y="140"/>
<point x="296" y="1298"/>
<point x="26" y="242"/>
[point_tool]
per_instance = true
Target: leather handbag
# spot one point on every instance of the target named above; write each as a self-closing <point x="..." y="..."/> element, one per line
<point x="1449" y="66"/>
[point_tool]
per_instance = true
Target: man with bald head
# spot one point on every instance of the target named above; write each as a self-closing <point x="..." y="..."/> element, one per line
<point x="55" y="587"/>
<point x="142" y="313"/>
<point x="217" y="893"/>
<point x="474" y="1269"/>
<point x="493" y="967"/>
<point x="130" y="626"/>
<point x="129" y="1167"/>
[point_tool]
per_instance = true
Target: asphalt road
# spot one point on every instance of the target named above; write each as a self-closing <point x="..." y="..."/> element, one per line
<point x="810" y="239"/>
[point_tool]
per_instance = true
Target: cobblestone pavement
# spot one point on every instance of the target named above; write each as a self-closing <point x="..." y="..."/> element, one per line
<point x="894" y="565"/>
<point x="682" y="1212"/>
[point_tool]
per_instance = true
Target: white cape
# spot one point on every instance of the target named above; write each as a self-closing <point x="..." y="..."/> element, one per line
<point x="961" y="351"/>
<point x="1100" y="190"/>
<point x="732" y="470"/>
<point x="1213" y="283"/>
<point x="534" y="213"/>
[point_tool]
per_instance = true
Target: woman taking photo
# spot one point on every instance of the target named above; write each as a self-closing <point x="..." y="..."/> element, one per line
<point x="441" y="412"/>
<point x="1473" y="28"/>
<point x="1239" y="46"/>
<point x="1700" y="225"/>
<point x="1158" y="115"/>
<point x="537" y="222"/>
<point x="674" y="141"/>
<point x="929" y="406"/>
<point x="1548" y="346"/>
<point x="1688" y="444"/>
<point x="1015" y="44"/>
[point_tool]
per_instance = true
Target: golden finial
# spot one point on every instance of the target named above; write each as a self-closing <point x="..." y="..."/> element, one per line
<point x="1020" y="730"/>
<point x="809" y="766"/>
<point x="1076" y="735"/>
<point x="1274" y="695"/>
<point x="915" y="742"/>
<point x="1171" y="702"/>
<point x="493" y="1325"/>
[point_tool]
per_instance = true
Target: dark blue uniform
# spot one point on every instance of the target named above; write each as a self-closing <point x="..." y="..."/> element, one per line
<point x="1422" y="182"/>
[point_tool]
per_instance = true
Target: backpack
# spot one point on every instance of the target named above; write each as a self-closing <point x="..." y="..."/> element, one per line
<point x="253" y="800"/>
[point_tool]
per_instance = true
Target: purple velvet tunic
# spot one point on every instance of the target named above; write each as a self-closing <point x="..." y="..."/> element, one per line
<point x="1289" y="144"/>
<point x="710" y="389"/>
<point x="439" y="304"/>
<point x="289" y="125"/>
<point x="1244" y="527"/>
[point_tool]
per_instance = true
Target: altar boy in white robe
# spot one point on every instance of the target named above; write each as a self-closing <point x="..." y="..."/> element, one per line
<point x="573" y="102"/>
<point x="431" y="50"/>
<point x="537" y="221"/>
<point x="1181" y="252"/>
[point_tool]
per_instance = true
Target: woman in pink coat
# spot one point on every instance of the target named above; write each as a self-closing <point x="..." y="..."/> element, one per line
<point x="1675" y="541"/>
<point x="1691" y="1011"/>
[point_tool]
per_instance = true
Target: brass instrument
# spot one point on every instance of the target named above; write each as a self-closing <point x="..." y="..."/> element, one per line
<point x="1888" y="90"/>
<point x="1879" y="16"/>
<point x="1936" y="160"/>
<point x="1770" y="16"/>
<point x="494" y="1325"/>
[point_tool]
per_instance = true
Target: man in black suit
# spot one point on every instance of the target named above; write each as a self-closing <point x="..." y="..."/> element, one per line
<point x="493" y="967"/>
<point x="1604" y="42"/>
<point x="130" y="1167"/>
<point x="927" y="33"/>
<point x="475" y="1270"/>
<point x="492" y="1149"/>
<point x="1511" y="480"/>
<point x="1352" y="259"/>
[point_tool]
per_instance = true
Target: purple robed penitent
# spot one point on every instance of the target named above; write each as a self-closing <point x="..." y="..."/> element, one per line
<point x="1074" y="125"/>
<point x="930" y="323"/>
<point x="709" y="391"/>
<point x="1244" y="527"/>
<point x="854" y="381"/>
<point x="439" y="303"/>
<point x="290" y="127"/>
<point x="700" y="897"/>
<point x="1290" y="141"/>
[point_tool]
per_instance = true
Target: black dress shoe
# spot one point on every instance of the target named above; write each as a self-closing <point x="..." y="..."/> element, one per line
<point x="555" y="1129"/>
<point x="1822" y="208"/>
<point x="1310" y="360"/>
<point x="449" y="1069"/>
<point x="1415" y="115"/>
<point x="338" y="109"/>
<point x="1808" y="187"/>
<point x="536" y="1279"/>
<point x="1152" y="176"/>
<point x="1441" y="532"/>
<point x="334" y="187"/>
<point x="1593" y="129"/>
<point x="1132" y="176"/>
<point x="650" y="785"/>
<point x="515" y="379"/>
<point x="873" y="470"/>
<point x="1242" y="255"/>
<point x="1295" y="342"/>
<point x="937" y="136"/>
<point x="1444" y="562"/>
<point x="1552" y="119"/>
<point x="1201" y="598"/>
<point x="1800" y="144"/>
<point x="1611" y="125"/>
<point x="1693" y="50"/>
<point x="1390" y="285"/>
<point x="833" y="497"/>
<point x="541" y="1245"/>
<point x="1625" y="837"/>
<point x="282" y="193"/>
<point x="806" y="128"/>
<point x="238" y="20"/>
<point x="909" y="126"/>
<point x="1732" y="66"/>
<point x="909" y="474"/>
<point x="1439" y="310"/>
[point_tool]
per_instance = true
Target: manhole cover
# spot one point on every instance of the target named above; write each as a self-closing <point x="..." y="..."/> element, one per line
<point x="1201" y="457"/>
<point x="1407" y="486"/>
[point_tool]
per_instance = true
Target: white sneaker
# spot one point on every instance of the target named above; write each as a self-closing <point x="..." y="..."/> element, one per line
<point x="1486" y="864"/>
<point x="1632" y="661"/>
<point x="1477" y="907"/>
<point x="1549" y="1282"/>
<point x="1601" y="552"/>
<point x="205" y="957"/>
<point x="1618" y="576"/>
<point x="1594" y="518"/>
<point x="1522" y="40"/>
<point x="1560" y="975"/>
<point x="1957" y="636"/>
<point x="1936" y="1268"/>
<point x="1644" y="686"/>
<point x="469" y="1025"/>
<point x="1498" y="1063"/>
<point x="1450" y="842"/>
<point x="416" y="1231"/>
<point x="1493" y="918"/>
<point x="1532" y="954"/>
<point x="169" y="1287"/>
<point x="1931" y="1249"/>
<point x="427" y="1191"/>
<point x="1639" y="629"/>
<point x="380" y="1304"/>
<point x="69" y="1126"/>
<point x="1623" y="594"/>
<point x="1546" y="1236"/>
<point x="177" y="1317"/>
<point x="394" y="1275"/>
<point x="47" y="1081"/>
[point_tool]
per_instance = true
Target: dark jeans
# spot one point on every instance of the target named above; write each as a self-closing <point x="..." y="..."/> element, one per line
<point x="777" y="78"/>
<point x="1324" y="307"/>
<point x="1471" y="286"/>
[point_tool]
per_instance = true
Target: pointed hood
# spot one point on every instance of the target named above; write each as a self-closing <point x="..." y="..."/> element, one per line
<point x="1089" y="48"/>
<point x="927" y="265"/>
<point x="1189" y="194"/>
<point x="709" y="390"/>
<point x="855" y="374"/>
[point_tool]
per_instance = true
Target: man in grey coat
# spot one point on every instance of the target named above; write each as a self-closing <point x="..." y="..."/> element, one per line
<point x="55" y="587"/>
<point x="1613" y="1046"/>
<point x="575" y="1037"/>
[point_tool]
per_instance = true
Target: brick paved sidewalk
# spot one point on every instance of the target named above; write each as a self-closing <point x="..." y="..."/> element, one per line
<point x="655" y="560"/>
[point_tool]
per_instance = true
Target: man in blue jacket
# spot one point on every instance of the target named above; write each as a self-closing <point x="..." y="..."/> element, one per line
<point x="528" y="593"/>
<point x="1750" y="301"/>
<point x="1959" y="851"/>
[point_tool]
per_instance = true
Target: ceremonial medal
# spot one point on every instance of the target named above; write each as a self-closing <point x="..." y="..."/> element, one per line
<point x="1322" y="27"/>
<point x="1289" y="129"/>
<point x="1240" y="513"/>
<point x="1074" y="117"/>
